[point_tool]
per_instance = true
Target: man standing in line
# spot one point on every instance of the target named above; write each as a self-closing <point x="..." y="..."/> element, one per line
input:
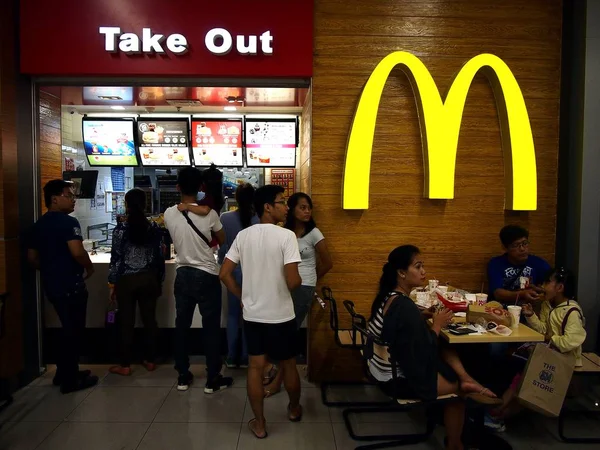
<point x="269" y="258"/>
<point x="56" y="250"/>
<point x="197" y="283"/>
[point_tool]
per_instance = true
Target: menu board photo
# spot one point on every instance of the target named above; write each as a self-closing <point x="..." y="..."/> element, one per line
<point x="109" y="142"/>
<point x="271" y="143"/>
<point x="217" y="142"/>
<point x="164" y="142"/>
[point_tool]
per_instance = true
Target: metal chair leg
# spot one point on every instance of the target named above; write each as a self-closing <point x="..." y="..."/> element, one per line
<point x="327" y="402"/>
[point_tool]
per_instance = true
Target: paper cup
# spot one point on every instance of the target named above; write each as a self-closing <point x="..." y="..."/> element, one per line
<point x="481" y="299"/>
<point x="515" y="312"/>
<point x="433" y="284"/>
<point x="471" y="298"/>
<point x="423" y="299"/>
<point x="443" y="289"/>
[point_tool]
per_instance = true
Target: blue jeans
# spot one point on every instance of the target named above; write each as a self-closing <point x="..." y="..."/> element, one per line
<point x="196" y="287"/>
<point x="234" y="320"/>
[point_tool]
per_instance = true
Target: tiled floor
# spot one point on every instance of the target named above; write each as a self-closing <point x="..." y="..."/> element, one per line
<point x="145" y="412"/>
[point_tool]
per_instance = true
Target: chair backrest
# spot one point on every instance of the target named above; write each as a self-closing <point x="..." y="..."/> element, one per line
<point x="357" y="319"/>
<point x="333" y="314"/>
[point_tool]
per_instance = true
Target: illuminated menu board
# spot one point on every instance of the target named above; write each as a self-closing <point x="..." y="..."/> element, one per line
<point x="109" y="142"/>
<point x="271" y="143"/>
<point x="164" y="142"/>
<point x="217" y="141"/>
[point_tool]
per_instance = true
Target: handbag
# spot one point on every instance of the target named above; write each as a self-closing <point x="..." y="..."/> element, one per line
<point x="195" y="228"/>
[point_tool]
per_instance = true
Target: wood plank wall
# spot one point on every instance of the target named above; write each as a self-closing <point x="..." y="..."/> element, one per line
<point x="11" y="340"/>
<point x="305" y="146"/>
<point x="50" y="140"/>
<point x="457" y="237"/>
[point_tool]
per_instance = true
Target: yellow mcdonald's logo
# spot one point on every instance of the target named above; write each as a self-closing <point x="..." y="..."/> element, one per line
<point x="440" y="126"/>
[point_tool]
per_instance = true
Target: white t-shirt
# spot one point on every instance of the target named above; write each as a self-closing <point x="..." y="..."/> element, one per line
<point x="191" y="250"/>
<point x="308" y="253"/>
<point x="263" y="250"/>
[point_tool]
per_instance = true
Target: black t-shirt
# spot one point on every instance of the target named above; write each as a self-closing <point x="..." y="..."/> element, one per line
<point x="60" y="272"/>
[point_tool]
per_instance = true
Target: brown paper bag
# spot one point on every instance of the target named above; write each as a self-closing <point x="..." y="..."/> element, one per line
<point x="489" y="313"/>
<point x="546" y="380"/>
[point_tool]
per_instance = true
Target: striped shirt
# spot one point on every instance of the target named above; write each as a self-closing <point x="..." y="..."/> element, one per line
<point x="379" y="365"/>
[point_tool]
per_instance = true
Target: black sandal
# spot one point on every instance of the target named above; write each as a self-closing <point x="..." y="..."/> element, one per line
<point x="254" y="432"/>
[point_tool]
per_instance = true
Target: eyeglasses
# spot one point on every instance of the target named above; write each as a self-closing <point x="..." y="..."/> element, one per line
<point x="281" y="202"/>
<point x="69" y="196"/>
<point x="516" y="245"/>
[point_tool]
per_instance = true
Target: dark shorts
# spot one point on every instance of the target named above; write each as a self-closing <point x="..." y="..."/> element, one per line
<point x="276" y="340"/>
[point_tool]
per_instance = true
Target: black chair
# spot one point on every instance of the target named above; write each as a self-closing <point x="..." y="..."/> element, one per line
<point x="590" y="368"/>
<point x="396" y="404"/>
<point x="348" y="338"/>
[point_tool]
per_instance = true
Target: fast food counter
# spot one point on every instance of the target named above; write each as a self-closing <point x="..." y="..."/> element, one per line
<point x="98" y="300"/>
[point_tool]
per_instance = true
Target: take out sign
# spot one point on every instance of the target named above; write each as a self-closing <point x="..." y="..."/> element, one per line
<point x="217" y="41"/>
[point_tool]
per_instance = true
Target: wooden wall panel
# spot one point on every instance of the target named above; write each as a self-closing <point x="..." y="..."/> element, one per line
<point x="50" y="141"/>
<point x="457" y="237"/>
<point x="305" y="146"/>
<point x="11" y="343"/>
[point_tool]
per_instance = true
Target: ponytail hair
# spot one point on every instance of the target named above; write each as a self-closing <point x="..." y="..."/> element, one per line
<point x="399" y="259"/>
<point x="244" y="196"/>
<point x="135" y="201"/>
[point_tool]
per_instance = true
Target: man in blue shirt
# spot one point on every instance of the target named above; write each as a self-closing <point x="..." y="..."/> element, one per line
<point x="56" y="250"/>
<point x="516" y="276"/>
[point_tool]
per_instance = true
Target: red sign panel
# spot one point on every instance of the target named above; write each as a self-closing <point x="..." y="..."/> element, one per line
<point x="229" y="38"/>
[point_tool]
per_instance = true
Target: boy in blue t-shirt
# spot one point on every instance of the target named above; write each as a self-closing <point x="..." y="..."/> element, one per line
<point x="516" y="276"/>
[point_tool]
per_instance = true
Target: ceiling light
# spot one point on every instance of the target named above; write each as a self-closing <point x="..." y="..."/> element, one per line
<point x="230" y="99"/>
<point x="118" y="108"/>
<point x="109" y="97"/>
<point x="230" y="108"/>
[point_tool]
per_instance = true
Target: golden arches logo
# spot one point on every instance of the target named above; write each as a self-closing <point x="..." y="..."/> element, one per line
<point x="440" y="126"/>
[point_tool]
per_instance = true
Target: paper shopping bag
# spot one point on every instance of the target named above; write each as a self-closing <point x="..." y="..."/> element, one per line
<point x="546" y="380"/>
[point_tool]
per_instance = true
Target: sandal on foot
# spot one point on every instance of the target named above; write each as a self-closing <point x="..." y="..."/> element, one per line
<point x="291" y="418"/>
<point x="254" y="432"/>
<point x="270" y="376"/>
<point x="271" y="393"/>
<point x="483" y="399"/>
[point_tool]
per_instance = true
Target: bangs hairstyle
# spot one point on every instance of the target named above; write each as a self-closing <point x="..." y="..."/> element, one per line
<point x="564" y="277"/>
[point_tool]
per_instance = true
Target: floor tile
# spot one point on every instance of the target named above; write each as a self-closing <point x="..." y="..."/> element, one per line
<point x="163" y="376"/>
<point x="191" y="436"/>
<point x="42" y="404"/>
<point x="121" y="404"/>
<point x="196" y="406"/>
<point x="25" y="435"/>
<point x="276" y="407"/>
<point x="95" y="436"/>
<point x="45" y="380"/>
<point x="344" y="441"/>
<point x="291" y="436"/>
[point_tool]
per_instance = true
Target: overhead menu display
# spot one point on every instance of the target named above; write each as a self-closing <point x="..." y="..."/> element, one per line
<point x="271" y="143"/>
<point x="218" y="142"/>
<point x="164" y="142"/>
<point x="109" y="142"/>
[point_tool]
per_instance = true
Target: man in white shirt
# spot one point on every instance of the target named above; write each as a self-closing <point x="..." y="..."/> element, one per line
<point x="197" y="282"/>
<point x="269" y="258"/>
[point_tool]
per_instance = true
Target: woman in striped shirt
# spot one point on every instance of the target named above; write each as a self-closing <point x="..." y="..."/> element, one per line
<point x="424" y="370"/>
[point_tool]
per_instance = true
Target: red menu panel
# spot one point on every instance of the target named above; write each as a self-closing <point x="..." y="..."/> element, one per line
<point x="285" y="178"/>
<point x="217" y="142"/>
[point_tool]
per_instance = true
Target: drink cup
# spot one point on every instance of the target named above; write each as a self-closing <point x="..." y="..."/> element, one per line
<point x="481" y="298"/>
<point x="423" y="299"/>
<point x="433" y="284"/>
<point x="443" y="289"/>
<point x="471" y="298"/>
<point x="515" y="312"/>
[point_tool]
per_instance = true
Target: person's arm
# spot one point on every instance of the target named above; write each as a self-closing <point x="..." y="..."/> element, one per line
<point x="516" y="297"/>
<point x="226" y="276"/>
<point x="216" y="227"/>
<point x="81" y="256"/>
<point x="573" y="337"/>
<point x="292" y="276"/>
<point x="199" y="210"/>
<point x="324" y="261"/>
<point x="33" y="257"/>
<point x="220" y="236"/>
<point x="534" y="322"/>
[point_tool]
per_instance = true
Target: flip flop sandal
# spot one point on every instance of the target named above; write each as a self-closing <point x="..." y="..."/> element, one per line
<point x="298" y="418"/>
<point x="269" y="393"/>
<point x="483" y="399"/>
<point x="254" y="432"/>
<point x="270" y="376"/>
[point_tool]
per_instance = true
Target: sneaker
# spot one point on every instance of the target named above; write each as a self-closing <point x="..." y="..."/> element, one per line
<point x="57" y="381"/>
<point x="244" y="364"/>
<point x="217" y="384"/>
<point x="120" y="370"/>
<point x="230" y="363"/>
<point x="494" y="424"/>
<point x="81" y="384"/>
<point x="184" y="381"/>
